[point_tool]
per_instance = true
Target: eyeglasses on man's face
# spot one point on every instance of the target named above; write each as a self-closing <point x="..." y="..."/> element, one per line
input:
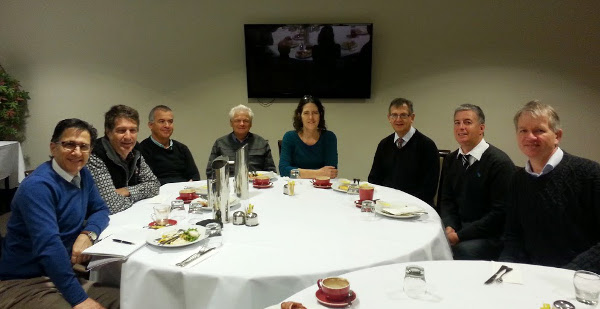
<point x="396" y="116"/>
<point x="71" y="146"/>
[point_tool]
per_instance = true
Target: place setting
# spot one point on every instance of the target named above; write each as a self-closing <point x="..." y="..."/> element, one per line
<point x="334" y="292"/>
<point x="262" y="182"/>
<point x="399" y="210"/>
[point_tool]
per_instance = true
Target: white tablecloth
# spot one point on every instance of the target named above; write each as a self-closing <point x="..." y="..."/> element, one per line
<point x="299" y="238"/>
<point x="454" y="284"/>
<point x="12" y="164"/>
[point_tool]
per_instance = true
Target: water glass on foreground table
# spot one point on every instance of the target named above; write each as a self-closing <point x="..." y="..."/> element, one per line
<point x="415" y="285"/>
<point x="587" y="286"/>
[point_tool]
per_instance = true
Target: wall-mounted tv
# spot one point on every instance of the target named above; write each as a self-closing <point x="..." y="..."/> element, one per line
<point x="324" y="60"/>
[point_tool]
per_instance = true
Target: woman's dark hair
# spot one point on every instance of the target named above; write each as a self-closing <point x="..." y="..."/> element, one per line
<point x="75" y="123"/>
<point x="326" y="36"/>
<point x="298" y="112"/>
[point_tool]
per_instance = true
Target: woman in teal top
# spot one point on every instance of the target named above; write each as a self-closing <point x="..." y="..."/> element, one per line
<point x="310" y="148"/>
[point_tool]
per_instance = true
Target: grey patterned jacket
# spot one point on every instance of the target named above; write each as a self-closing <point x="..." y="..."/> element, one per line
<point x="146" y="187"/>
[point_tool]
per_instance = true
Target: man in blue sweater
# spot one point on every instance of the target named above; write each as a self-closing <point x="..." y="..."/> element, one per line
<point x="57" y="213"/>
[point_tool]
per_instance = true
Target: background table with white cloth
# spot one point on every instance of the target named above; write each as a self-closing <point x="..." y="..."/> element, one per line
<point x="12" y="164"/>
<point x="315" y="233"/>
<point x="455" y="284"/>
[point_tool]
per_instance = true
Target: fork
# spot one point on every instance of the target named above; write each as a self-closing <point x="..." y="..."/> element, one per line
<point x="204" y="249"/>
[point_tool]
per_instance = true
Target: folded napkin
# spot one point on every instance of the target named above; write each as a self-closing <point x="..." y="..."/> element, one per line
<point x="514" y="276"/>
<point x="159" y="199"/>
<point x="205" y="256"/>
<point x="291" y="305"/>
<point x="401" y="210"/>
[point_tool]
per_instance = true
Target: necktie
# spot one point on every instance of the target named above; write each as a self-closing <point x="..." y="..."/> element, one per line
<point x="399" y="143"/>
<point x="76" y="181"/>
<point x="465" y="161"/>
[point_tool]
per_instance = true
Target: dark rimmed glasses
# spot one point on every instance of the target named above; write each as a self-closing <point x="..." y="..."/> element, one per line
<point x="71" y="146"/>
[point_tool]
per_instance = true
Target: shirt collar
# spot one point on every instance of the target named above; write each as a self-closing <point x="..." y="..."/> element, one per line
<point x="62" y="173"/>
<point x="477" y="151"/>
<point x="237" y="141"/>
<point x="406" y="136"/>
<point x="550" y="165"/>
<point x="161" y="145"/>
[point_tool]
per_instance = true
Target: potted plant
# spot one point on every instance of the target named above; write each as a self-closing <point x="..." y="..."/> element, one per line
<point x="13" y="108"/>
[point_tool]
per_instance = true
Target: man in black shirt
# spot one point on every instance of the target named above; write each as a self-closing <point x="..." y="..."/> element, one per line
<point x="169" y="160"/>
<point x="475" y="185"/>
<point x="406" y="160"/>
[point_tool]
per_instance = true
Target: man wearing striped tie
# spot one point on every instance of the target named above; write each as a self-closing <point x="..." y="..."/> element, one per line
<point x="406" y="160"/>
<point x="475" y="185"/>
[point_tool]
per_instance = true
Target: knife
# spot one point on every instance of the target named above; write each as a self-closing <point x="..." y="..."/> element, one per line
<point x="194" y="256"/>
<point x="493" y="277"/>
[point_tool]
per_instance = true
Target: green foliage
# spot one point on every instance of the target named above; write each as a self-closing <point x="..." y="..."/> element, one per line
<point x="13" y="108"/>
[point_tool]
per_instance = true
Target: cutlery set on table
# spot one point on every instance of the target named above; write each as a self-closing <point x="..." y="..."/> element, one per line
<point x="497" y="277"/>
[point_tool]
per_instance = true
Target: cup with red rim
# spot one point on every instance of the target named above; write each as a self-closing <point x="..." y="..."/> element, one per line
<point x="187" y="194"/>
<point x="261" y="180"/>
<point x="365" y="192"/>
<point x="334" y="288"/>
<point x="322" y="181"/>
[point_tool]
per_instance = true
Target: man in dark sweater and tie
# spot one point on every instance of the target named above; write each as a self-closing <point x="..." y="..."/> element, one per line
<point x="406" y="160"/>
<point x="169" y="160"/>
<point x="474" y="189"/>
<point x="554" y="214"/>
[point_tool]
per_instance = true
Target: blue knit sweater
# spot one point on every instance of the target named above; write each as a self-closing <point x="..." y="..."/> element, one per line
<point x="296" y="154"/>
<point x="48" y="215"/>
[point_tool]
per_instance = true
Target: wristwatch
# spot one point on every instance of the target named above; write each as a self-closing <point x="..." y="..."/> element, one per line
<point x="91" y="235"/>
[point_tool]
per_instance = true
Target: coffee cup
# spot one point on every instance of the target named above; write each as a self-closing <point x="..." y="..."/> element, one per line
<point x="334" y="288"/>
<point x="187" y="194"/>
<point x="261" y="180"/>
<point x="161" y="214"/>
<point x="365" y="192"/>
<point x="322" y="181"/>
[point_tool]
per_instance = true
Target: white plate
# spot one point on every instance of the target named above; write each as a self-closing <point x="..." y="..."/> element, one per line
<point x="271" y="175"/>
<point x="152" y="238"/>
<point x="398" y="206"/>
<point x="233" y="201"/>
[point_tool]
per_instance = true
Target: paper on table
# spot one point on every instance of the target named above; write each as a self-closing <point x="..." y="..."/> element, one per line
<point x="398" y="210"/>
<point x="198" y="260"/>
<point x="107" y="250"/>
<point x="514" y="276"/>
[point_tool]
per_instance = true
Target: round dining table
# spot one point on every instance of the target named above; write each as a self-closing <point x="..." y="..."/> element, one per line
<point x="313" y="234"/>
<point x="455" y="284"/>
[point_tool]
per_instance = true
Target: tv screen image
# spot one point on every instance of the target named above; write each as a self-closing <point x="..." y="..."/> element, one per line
<point x="324" y="60"/>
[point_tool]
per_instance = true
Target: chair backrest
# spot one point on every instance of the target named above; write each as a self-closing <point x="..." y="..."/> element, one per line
<point x="3" y="225"/>
<point x="279" y="144"/>
<point x="438" y="197"/>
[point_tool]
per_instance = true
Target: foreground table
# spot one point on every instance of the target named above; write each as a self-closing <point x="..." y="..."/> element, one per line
<point x="454" y="284"/>
<point x="299" y="238"/>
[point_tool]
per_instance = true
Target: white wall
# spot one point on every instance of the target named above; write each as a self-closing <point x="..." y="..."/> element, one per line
<point x="77" y="58"/>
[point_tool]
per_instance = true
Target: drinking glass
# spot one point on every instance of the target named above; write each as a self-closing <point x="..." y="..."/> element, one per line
<point x="295" y="174"/>
<point x="415" y="285"/>
<point x="587" y="287"/>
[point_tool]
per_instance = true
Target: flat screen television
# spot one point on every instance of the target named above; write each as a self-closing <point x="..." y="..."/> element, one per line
<point x="324" y="60"/>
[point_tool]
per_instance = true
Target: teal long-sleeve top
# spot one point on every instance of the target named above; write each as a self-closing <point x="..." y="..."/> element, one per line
<point x="296" y="154"/>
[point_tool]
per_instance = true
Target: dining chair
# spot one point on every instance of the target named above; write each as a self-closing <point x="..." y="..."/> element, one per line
<point x="438" y="197"/>
<point x="279" y="144"/>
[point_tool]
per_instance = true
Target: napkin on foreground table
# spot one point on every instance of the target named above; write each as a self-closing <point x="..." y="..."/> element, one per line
<point x="514" y="276"/>
<point x="205" y="256"/>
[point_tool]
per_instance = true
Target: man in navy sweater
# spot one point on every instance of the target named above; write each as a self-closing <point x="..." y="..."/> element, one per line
<point x="474" y="189"/>
<point x="554" y="211"/>
<point x="57" y="213"/>
<point x="406" y="160"/>
<point x="169" y="160"/>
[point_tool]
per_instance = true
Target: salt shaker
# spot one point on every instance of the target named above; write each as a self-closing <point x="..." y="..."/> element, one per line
<point x="415" y="285"/>
<point x="295" y="174"/>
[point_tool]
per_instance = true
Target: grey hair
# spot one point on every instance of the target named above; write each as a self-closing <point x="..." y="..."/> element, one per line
<point x="241" y="109"/>
<point x="538" y="109"/>
<point x="474" y="108"/>
<point x="163" y="108"/>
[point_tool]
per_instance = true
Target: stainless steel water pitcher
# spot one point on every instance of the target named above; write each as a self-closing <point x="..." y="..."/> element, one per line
<point x="218" y="189"/>
<point x="240" y="180"/>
